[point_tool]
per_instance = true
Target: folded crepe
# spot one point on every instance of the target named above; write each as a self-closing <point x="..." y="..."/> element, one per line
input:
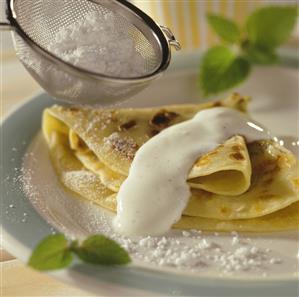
<point x="238" y="186"/>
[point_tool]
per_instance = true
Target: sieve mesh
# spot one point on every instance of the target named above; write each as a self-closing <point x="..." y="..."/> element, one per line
<point x="35" y="24"/>
<point x="42" y="19"/>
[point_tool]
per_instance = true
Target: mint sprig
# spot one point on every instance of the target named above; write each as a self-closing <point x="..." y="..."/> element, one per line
<point x="56" y="252"/>
<point x="225" y="66"/>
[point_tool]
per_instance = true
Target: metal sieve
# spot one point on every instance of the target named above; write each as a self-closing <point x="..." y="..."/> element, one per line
<point x="34" y="23"/>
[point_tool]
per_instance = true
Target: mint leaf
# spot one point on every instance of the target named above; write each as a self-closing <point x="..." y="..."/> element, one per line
<point x="269" y="27"/>
<point x="51" y="253"/>
<point x="55" y="252"/>
<point x="260" y="56"/>
<point x="225" y="28"/>
<point x="221" y="69"/>
<point x="99" y="249"/>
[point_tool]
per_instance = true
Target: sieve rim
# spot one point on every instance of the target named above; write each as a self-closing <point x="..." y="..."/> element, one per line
<point x="156" y="29"/>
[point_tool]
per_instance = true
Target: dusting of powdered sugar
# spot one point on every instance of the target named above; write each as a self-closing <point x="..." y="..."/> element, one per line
<point x="98" y="44"/>
<point x="125" y="146"/>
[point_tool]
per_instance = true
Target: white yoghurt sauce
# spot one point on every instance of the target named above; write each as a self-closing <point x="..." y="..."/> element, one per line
<point x="155" y="194"/>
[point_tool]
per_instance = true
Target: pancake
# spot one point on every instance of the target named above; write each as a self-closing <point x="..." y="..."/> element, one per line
<point x="106" y="140"/>
<point x="92" y="150"/>
<point x="282" y="220"/>
<point x="273" y="186"/>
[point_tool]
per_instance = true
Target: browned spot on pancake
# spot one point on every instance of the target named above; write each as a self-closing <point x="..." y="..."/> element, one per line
<point x="237" y="148"/>
<point x="127" y="147"/>
<point x="239" y="102"/>
<point x="162" y="119"/>
<point x="268" y="181"/>
<point x="225" y="210"/>
<point x="217" y="104"/>
<point x="81" y="144"/>
<point x="73" y="109"/>
<point x="237" y="156"/>
<point x="95" y="158"/>
<point x="205" y="159"/>
<point x="154" y="132"/>
<point x="213" y="153"/>
<point x="113" y="116"/>
<point x="126" y="126"/>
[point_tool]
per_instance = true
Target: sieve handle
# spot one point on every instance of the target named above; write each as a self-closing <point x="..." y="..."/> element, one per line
<point x="171" y="39"/>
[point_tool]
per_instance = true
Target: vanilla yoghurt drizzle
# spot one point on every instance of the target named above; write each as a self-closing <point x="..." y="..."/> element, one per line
<point x="155" y="194"/>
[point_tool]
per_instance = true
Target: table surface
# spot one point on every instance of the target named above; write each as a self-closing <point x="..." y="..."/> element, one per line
<point x="15" y="278"/>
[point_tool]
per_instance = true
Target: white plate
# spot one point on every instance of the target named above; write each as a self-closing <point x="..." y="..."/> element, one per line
<point x="274" y="91"/>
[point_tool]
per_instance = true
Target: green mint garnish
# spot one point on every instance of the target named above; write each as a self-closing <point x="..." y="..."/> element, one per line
<point x="224" y="66"/>
<point x="99" y="249"/>
<point x="56" y="252"/>
<point x="257" y="55"/>
<point x="269" y="27"/>
<point x="226" y="29"/>
<point x="51" y="253"/>
<point x="222" y="69"/>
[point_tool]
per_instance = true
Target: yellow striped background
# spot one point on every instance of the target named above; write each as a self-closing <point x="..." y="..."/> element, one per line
<point x="186" y="18"/>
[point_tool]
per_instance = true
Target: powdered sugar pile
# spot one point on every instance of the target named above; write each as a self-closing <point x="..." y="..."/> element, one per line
<point x="193" y="251"/>
<point x="97" y="44"/>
